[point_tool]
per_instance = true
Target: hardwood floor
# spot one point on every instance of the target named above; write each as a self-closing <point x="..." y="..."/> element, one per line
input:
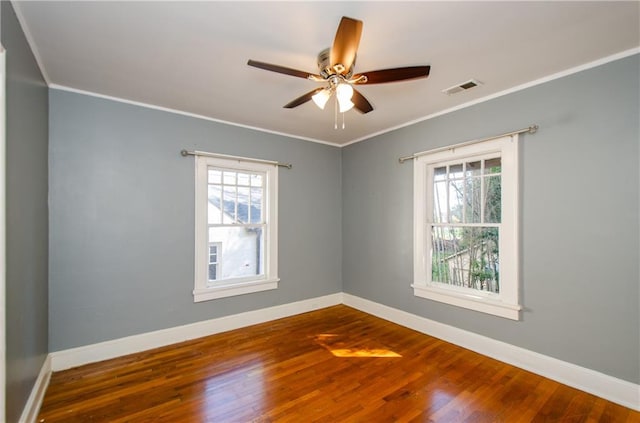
<point x="331" y="365"/>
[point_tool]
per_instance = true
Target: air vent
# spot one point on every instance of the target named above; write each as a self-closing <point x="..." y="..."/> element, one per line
<point x="467" y="85"/>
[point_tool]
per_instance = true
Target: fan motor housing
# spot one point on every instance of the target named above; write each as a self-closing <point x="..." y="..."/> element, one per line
<point x="324" y="65"/>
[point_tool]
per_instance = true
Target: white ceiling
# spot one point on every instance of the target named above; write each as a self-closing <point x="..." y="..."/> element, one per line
<point x="191" y="56"/>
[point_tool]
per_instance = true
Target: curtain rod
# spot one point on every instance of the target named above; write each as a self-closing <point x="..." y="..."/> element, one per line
<point x="531" y="130"/>
<point x="186" y="153"/>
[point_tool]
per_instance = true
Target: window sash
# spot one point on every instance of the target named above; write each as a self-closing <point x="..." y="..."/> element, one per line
<point x="459" y="267"/>
<point x="447" y="180"/>
<point x="229" y="183"/>
<point x="255" y="243"/>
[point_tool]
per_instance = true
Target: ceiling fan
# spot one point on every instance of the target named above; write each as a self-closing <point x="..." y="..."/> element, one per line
<point x="336" y="72"/>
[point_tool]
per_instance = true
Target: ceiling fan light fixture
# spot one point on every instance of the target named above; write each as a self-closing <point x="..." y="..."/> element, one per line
<point x="344" y="92"/>
<point x="321" y="98"/>
<point x="345" y="105"/>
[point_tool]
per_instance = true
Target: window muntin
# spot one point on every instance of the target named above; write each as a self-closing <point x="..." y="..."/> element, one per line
<point x="236" y="227"/>
<point x="465" y="220"/>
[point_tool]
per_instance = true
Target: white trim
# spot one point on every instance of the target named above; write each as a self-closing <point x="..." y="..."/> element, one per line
<point x="608" y="387"/>
<point x="539" y="81"/>
<point x="233" y="289"/>
<point x="65" y="359"/>
<point x="188" y="114"/>
<point x="34" y="402"/>
<point x="558" y="75"/>
<point x="483" y="304"/>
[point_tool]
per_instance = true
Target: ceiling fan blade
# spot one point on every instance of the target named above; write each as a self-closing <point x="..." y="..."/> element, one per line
<point x="282" y="69"/>
<point x="345" y="45"/>
<point x="361" y="103"/>
<point x="302" y="99"/>
<point x="393" y="75"/>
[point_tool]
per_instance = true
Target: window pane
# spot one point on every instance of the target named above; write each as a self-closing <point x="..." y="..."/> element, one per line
<point x="256" y="205"/>
<point x="473" y="169"/>
<point x="243" y="179"/>
<point x="256" y="180"/>
<point x="243" y="204"/>
<point x="455" y="171"/>
<point x="473" y="208"/>
<point x="214" y="211"/>
<point x="466" y="257"/>
<point x="440" y="210"/>
<point x="213" y="271"/>
<point x="456" y="200"/>
<point x="229" y="197"/>
<point x="440" y="173"/>
<point x="493" y="197"/>
<point x="214" y="176"/>
<point x="229" y="178"/>
<point x="493" y="165"/>
<point x="241" y="253"/>
<point x="442" y="247"/>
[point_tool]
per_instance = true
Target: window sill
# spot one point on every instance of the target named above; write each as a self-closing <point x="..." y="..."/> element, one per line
<point x="233" y="289"/>
<point x="469" y="301"/>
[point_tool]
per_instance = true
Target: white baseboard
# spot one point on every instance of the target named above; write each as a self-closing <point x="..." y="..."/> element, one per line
<point x="32" y="407"/>
<point x="608" y="387"/>
<point x="66" y="359"/>
<point x="613" y="389"/>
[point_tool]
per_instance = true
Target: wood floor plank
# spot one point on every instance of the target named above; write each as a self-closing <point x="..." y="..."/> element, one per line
<point x="332" y="365"/>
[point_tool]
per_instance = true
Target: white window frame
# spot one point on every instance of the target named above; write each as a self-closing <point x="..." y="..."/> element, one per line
<point x="506" y="303"/>
<point x="203" y="291"/>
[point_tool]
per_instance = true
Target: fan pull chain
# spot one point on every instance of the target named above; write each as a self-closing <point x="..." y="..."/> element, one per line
<point x="335" y="113"/>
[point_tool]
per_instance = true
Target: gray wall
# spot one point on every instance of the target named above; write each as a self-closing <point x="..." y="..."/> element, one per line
<point x="579" y="222"/>
<point x="27" y="216"/>
<point x="122" y="218"/>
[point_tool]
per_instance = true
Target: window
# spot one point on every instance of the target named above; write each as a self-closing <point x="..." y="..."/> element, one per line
<point x="236" y="227"/>
<point x="465" y="220"/>
<point x="214" y="249"/>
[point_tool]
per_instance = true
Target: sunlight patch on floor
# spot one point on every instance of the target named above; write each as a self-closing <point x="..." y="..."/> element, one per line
<point x="376" y="352"/>
<point x="338" y="346"/>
